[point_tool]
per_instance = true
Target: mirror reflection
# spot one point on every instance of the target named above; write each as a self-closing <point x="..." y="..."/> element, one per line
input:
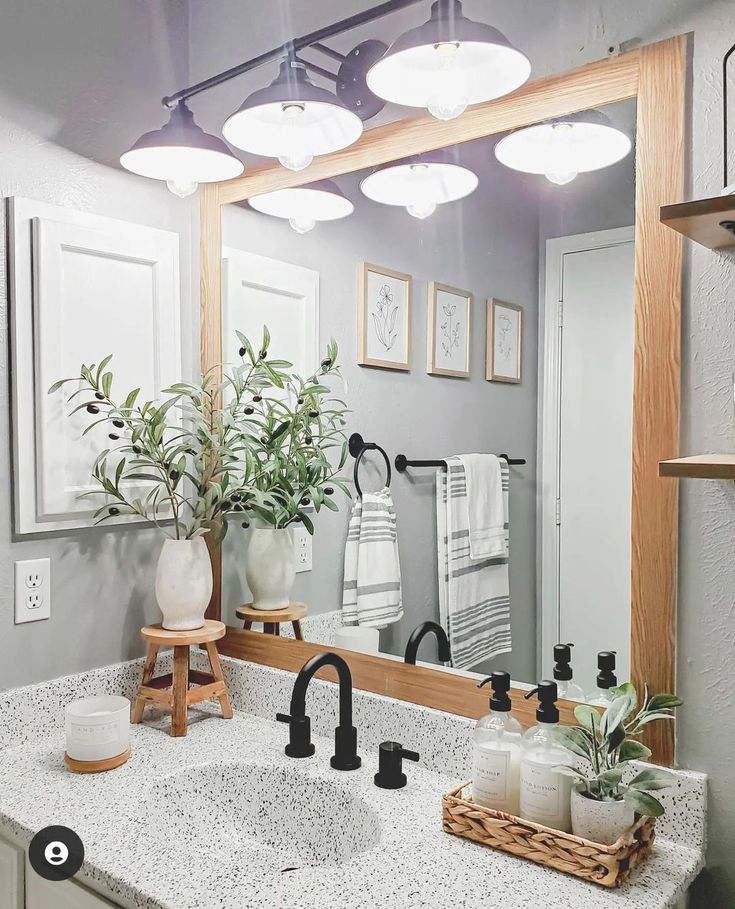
<point x="481" y="298"/>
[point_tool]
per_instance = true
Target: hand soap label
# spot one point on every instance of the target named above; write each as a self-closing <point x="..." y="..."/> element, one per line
<point x="490" y="778"/>
<point x="544" y="793"/>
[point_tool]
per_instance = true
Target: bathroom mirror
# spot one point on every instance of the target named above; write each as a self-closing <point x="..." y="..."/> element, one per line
<point x="591" y="558"/>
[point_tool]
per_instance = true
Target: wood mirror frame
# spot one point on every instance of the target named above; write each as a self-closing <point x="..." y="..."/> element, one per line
<point x="655" y="75"/>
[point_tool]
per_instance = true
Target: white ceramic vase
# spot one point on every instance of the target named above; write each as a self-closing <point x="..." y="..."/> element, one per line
<point x="601" y="822"/>
<point x="184" y="583"/>
<point x="270" y="568"/>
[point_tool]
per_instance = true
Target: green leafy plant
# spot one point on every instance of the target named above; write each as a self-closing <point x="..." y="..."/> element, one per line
<point x="607" y="743"/>
<point x="209" y="450"/>
<point x="288" y="436"/>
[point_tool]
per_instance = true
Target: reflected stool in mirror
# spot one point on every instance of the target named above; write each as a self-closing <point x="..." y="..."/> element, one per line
<point x="272" y="619"/>
<point x="173" y="691"/>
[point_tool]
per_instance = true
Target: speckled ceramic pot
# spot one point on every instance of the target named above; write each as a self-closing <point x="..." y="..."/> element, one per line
<point x="184" y="583"/>
<point x="601" y="822"/>
<point x="270" y="568"/>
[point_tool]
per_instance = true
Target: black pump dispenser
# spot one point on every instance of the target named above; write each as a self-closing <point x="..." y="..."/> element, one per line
<point x="500" y="684"/>
<point x="562" y="660"/>
<point x="606" y="677"/>
<point x="547" y="711"/>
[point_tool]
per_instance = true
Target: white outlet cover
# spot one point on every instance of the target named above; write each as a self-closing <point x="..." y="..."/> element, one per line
<point x="302" y="547"/>
<point x="32" y="590"/>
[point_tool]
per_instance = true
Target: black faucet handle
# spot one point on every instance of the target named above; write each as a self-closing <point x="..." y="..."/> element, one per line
<point x="345" y="749"/>
<point x="299" y="735"/>
<point x="390" y="773"/>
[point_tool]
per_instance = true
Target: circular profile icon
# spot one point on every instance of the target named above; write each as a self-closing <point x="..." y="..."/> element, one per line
<point x="56" y="853"/>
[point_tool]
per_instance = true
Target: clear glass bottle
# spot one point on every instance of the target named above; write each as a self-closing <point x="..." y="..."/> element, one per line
<point x="606" y="679"/>
<point x="563" y="675"/>
<point x="496" y="753"/>
<point x="545" y="793"/>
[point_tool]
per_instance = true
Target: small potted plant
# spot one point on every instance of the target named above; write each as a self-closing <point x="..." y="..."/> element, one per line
<point x="289" y="434"/>
<point x="186" y="453"/>
<point x="603" y="806"/>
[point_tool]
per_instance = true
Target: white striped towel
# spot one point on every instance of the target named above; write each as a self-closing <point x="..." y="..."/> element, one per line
<point x="371" y="592"/>
<point x="474" y="595"/>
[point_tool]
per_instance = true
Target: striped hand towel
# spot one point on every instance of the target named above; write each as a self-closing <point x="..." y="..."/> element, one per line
<point x="372" y="576"/>
<point x="474" y="595"/>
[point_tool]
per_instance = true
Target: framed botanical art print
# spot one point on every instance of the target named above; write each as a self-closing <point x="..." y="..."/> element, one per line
<point x="449" y="331"/>
<point x="504" y="353"/>
<point x="384" y="318"/>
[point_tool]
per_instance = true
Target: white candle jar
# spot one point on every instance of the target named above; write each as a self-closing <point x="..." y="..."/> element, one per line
<point x="97" y="728"/>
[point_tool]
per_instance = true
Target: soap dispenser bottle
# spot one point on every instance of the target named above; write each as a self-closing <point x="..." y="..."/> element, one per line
<point x="606" y="679"/>
<point x="545" y="793"/>
<point x="563" y="675"/>
<point x="497" y="751"/>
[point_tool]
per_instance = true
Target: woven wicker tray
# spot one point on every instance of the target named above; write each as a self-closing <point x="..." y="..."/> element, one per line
<point x="608" y="866"/>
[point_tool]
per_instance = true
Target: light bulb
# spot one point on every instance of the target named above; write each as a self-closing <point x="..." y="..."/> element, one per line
<point x="450" y="99"/>
<point x="301" y="224"/>
<point x="560" y="154"/>
<point x="421" y="210"/>
<point x="182" y="188"/>
<point x="297" y="157"/>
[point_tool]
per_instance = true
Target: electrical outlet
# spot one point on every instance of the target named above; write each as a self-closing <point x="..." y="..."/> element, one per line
<point x="302" y="545"/>
<point x="32" y="590"/>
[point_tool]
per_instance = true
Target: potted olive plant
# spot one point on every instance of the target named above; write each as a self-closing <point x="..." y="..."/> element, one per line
<point x="603" y="806"/>
<point x="289" y="435"/>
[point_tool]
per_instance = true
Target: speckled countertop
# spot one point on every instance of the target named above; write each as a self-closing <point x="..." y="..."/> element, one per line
<point x="143" y="851"/>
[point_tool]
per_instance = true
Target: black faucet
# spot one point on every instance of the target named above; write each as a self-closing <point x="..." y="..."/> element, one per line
<point x="418" y="634"/>
<point x="345" y="735"/>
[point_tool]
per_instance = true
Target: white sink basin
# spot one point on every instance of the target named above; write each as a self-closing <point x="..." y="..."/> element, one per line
<point x="273" y="818"/>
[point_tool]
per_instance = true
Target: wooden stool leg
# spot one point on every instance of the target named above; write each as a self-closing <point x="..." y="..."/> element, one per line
<point x="277" y="629"/>
<point x="247" y="626"/>
<point x="179" y="690"/>
<point x="269" y="628"/>
<point x="224" y="698"/>
<point x="297" y="630"/>
<point x="149" y="668"/>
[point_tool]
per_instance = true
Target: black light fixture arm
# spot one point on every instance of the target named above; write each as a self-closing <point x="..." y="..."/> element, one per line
<point x="725" y="149"/>
<point x="293" y="47"/>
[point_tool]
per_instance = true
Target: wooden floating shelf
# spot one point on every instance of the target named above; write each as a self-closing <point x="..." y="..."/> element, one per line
<point x="702" y="220"/>
<point x="703" y="467"/>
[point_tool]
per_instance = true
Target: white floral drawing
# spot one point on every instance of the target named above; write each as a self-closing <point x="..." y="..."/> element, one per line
<point x="384" y="318"/>
<point x="450" y="330"/>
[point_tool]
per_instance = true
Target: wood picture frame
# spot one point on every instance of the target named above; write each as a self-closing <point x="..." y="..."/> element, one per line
<point x="656" y="76"/>
<point x="493" y="342"/>
<point x="391" y="313"/>
<point x="449" y="331"/>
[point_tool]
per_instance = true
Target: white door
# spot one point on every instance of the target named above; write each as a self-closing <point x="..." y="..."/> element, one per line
<point x="587" y="457"/>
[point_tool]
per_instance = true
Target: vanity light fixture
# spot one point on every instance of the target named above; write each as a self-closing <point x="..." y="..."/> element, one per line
<point x="292" y="119"/>
<point x="420" y="183"/>
<point x="448" y="63"/>
<point x="562" y="149"/>
<point x="182" y="154"/>
<point x="304" y="206"/>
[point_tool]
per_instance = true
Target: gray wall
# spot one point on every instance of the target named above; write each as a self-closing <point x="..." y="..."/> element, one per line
<point x="78" y="81"/>
<point x="487" y="244"/>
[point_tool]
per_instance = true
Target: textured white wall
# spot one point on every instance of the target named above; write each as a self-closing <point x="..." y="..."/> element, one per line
<point x="79" y="81"/>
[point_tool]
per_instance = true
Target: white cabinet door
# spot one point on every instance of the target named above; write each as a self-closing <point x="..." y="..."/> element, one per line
<point x="11" y="876"/>
<point x="43" y="894"/>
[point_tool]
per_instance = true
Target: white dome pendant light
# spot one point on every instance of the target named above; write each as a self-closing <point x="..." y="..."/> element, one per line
<point x="448" y="63"/>
<point x="420" y="183"/>
<point x="292" y="120"/>
<point x="182" y="154"/>
<point x="304" y="206"/>
<point x="564" y="148"/>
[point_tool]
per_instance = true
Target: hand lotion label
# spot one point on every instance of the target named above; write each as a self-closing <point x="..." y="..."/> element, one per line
<point x="545" y="795"/>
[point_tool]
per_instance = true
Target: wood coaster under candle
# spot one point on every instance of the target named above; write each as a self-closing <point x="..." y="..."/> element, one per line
<point x="96" y="766"/>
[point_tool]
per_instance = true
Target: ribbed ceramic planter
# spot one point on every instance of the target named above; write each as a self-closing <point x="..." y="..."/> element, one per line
<point x="601" y="822"/>
<point x="184" y="583"/>
<point x="270" y="568"/>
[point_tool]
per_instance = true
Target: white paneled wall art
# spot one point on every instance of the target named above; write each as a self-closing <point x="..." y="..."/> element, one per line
<point x="82" y="287"/>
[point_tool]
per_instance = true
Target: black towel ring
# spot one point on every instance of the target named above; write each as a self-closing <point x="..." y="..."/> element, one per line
<point x="358" y="446"/>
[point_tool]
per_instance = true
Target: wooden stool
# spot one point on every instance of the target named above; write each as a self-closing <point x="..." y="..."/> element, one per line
<point x="272" y="619"/>
<point x="173" y="690"/>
